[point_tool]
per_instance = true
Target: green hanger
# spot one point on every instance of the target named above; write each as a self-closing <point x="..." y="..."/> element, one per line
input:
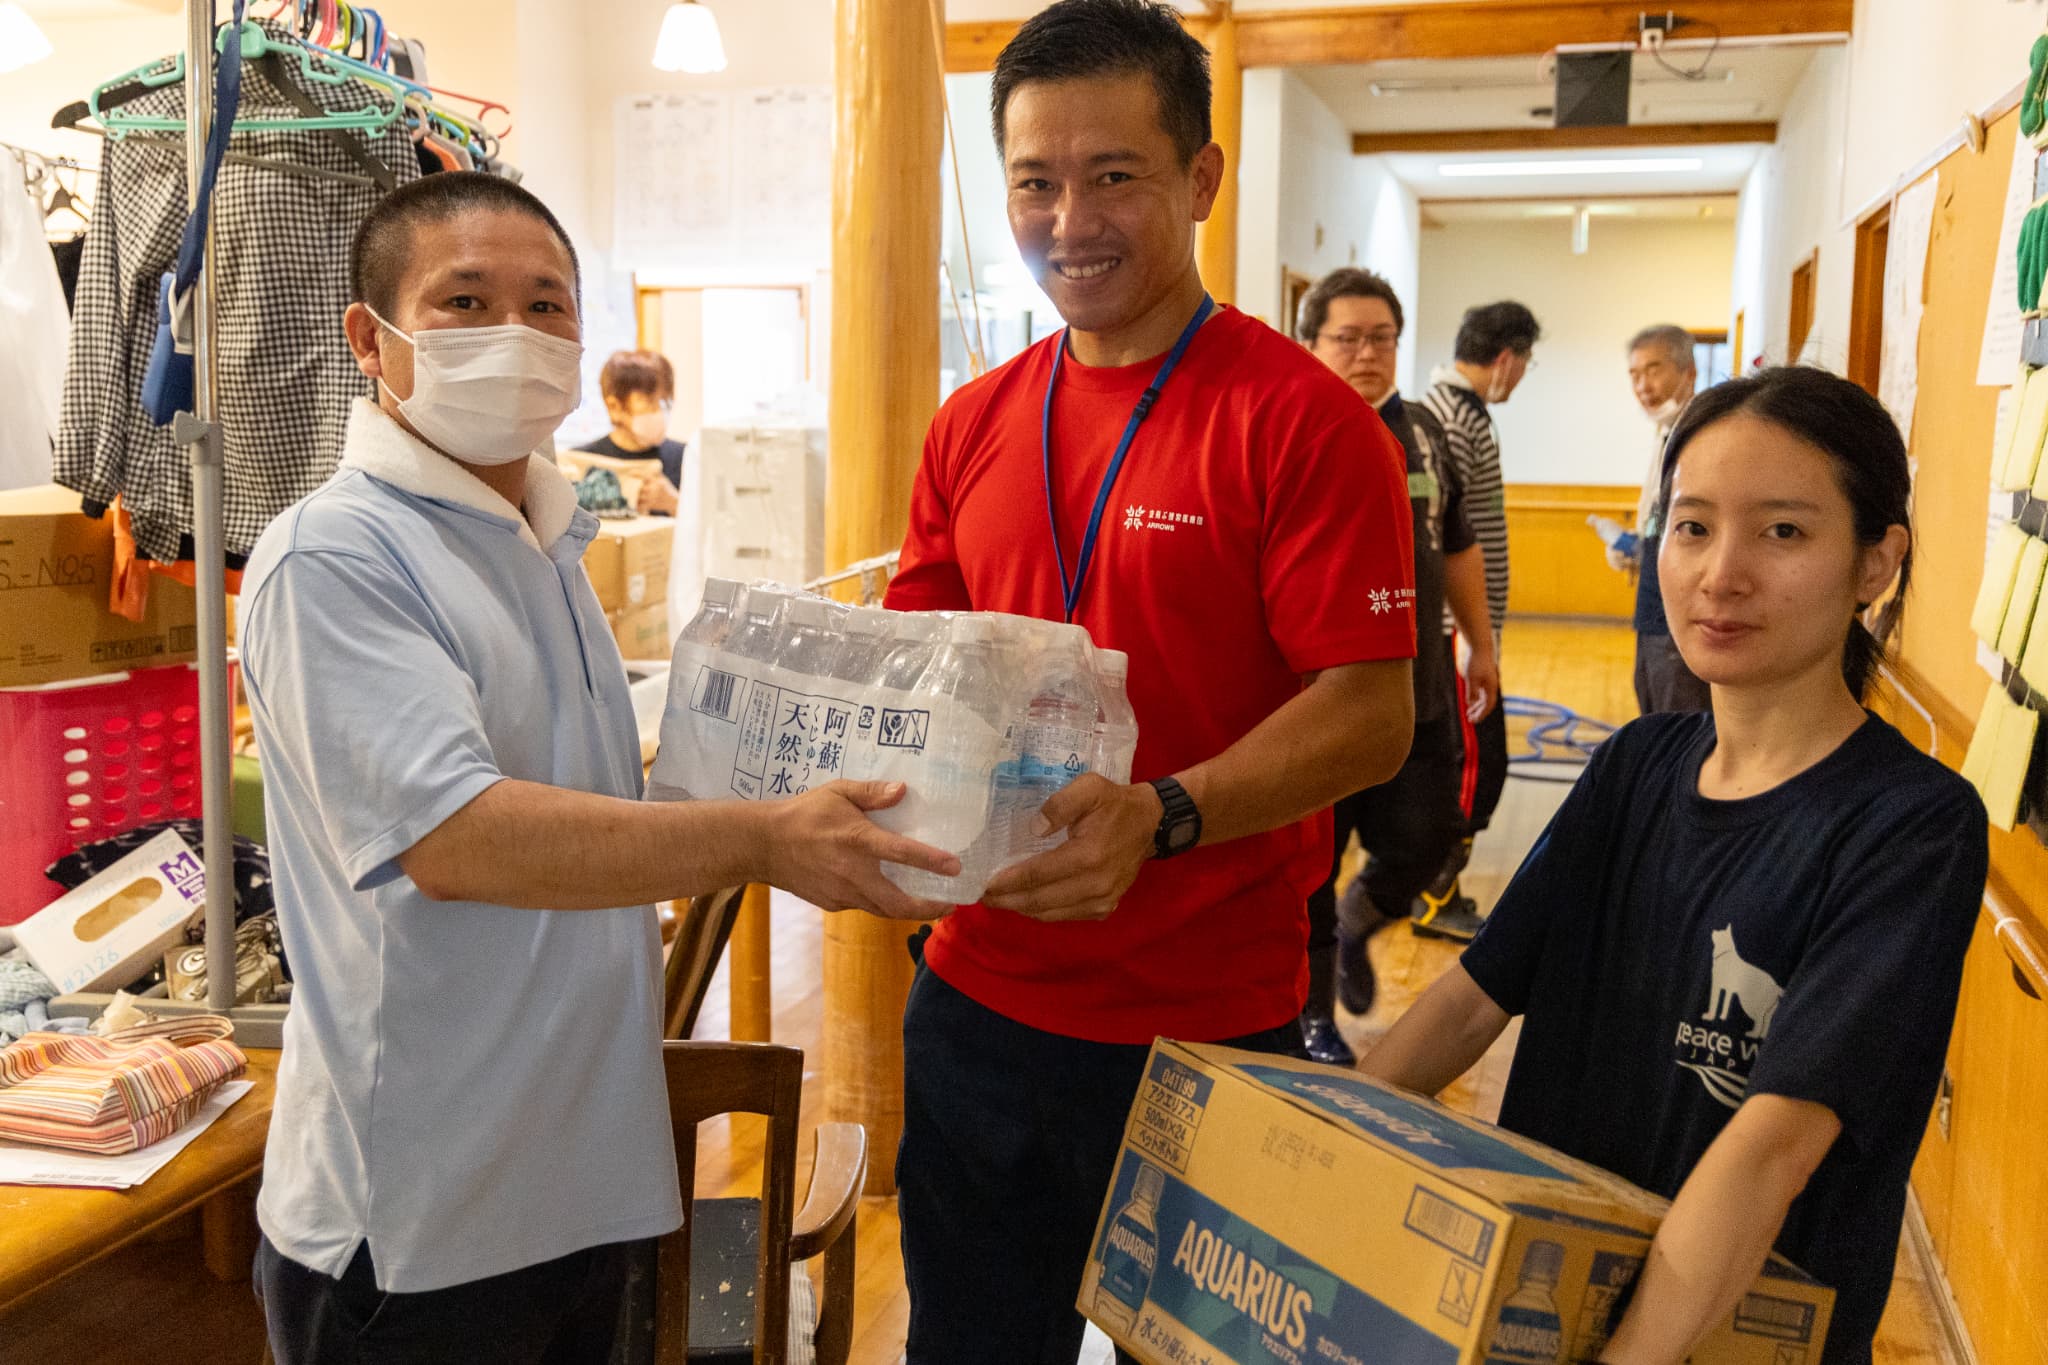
<point x="256" y="43"/>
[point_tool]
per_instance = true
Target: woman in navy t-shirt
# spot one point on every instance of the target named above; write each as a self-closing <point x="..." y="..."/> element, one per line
<point x="1737" y="948"/>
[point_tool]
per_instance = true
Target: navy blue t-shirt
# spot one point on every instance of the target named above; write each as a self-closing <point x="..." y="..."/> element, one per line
<point x="1671" y="954"/>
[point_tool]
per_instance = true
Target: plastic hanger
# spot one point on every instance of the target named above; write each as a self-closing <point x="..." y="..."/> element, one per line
<point x="103" y="103"/>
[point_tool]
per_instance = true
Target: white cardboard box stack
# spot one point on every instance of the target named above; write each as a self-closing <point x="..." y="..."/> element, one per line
<point x="764" y="502"/>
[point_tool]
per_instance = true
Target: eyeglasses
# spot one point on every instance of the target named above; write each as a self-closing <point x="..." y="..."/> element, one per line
<point x="1351" y="342"/>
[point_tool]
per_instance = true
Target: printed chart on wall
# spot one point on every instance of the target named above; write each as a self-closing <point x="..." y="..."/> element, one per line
<point x="723" y="177"/>
<point x="1905" y="300"/>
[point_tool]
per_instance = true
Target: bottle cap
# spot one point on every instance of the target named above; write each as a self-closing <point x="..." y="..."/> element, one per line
<point x="973" y="628"/>
<point x="764" y="602"/>
<point x="721" y="590"/>
<point x="1113" y="662"/>
<point x="1150" y="1182"/>
<point x="1544" y="1261"/>
<point x="869" y="621"/>
<point x="815" y="612"/>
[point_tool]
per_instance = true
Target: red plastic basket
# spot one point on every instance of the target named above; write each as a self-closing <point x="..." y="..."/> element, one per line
<point x="83" y="760"/>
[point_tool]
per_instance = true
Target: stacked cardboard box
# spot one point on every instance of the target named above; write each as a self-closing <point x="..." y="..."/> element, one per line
<point x="628" y="567"/>
<point x="55" y="567"/>
<point x="1267" y="1210"/>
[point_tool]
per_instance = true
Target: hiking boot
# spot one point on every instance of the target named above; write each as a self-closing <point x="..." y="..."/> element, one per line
<point x="1455" y="917"/>
<point x="1325" y="1044"/>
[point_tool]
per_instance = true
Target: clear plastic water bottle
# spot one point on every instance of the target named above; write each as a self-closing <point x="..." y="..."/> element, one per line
<point x="1055" y="733"/>
<point x="916" y="637"/>
<point x="865" y="637"/>
<point x="810" y="636"/>
<point x="943" y="739"/>
<point x="757" y="633"/>
<point x="1116" y="735"/>
<point x="714" y="618"/>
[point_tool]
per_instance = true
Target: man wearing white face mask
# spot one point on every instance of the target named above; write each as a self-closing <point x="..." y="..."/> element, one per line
<point x="470" y="1147"/>
<point x="1491" y="356"/>
<point x="1662" y="374"/>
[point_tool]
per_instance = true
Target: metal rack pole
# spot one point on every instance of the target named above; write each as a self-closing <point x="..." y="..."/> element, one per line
<point x="208" y="533"/>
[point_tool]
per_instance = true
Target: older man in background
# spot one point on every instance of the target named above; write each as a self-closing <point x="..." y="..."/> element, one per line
<point x="1663" y="375"/>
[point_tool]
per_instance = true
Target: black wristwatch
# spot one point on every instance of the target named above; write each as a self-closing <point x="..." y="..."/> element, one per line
<point x="1180" y="824"/>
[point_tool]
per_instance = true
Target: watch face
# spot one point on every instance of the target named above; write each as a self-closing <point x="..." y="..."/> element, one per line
<point x="1182" y="836"/>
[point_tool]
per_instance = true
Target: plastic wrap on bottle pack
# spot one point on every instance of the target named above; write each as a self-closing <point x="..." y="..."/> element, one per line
<point x="981" y="716"/>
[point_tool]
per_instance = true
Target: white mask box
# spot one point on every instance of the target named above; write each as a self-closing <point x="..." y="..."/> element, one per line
<point x="113" y="929"/>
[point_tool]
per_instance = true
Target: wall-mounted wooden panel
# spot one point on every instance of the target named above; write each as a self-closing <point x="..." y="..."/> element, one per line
<point x="1556" y="565"/>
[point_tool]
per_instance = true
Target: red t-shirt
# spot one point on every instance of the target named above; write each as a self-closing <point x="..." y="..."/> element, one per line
<point x="1259" y="531"/>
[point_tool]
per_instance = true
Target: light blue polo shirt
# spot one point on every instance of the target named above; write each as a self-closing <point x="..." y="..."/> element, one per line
<point x="470" y="1087"/>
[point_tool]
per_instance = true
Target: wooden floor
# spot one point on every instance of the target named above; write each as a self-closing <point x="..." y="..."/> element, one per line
<point x="156" y="1304"/>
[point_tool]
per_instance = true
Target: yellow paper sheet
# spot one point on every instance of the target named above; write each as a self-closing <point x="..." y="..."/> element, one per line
<point x="2029" y="426"/>
<point x="2011" y="758"/>
<point x="2019" y="609"/>
<point x="2007" y="418"/>
<point x="1984" y="739"/>
<point x="2001" y="566"/>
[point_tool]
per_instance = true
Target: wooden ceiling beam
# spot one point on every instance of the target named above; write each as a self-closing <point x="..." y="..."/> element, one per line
<point x="1564" y="139"/>
<point x="1411" y="29"/>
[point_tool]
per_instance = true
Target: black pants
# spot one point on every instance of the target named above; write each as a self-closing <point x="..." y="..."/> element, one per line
<point x="569" y="1311"/>
<point x="1663" y="681"/>
<point x="1009" y="1141"/>
<point x="1408" y="825"/>
<point x="1485" y="773"/>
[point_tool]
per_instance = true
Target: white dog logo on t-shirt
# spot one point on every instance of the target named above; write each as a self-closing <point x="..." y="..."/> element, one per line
<point x="1722" y="1058"/>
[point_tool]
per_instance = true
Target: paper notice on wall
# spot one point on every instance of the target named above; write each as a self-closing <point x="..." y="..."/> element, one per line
<point x="1905" y="300"/>
<point x="2000" y="352"/>
<point x="2000" y="511"/>
<point x="674" y="174"/>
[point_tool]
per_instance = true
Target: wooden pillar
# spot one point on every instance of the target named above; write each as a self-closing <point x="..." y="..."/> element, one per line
<point x="753" y="1010"/>
<point x="885" y="388"/>
<point x="1216" y="240"/>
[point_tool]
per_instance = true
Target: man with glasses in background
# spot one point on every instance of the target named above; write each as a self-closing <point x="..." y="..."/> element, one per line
<point x="1351" y="320"/>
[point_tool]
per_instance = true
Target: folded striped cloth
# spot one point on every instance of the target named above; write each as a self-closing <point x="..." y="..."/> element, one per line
<point x="115" y="1094"/>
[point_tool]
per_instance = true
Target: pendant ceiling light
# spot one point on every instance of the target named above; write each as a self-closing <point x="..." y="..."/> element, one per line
<point x="21" y="42"/>
<point x="689" y="40"/>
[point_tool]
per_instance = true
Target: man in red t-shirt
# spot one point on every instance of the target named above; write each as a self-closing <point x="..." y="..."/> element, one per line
<point x="1252" y="557"/>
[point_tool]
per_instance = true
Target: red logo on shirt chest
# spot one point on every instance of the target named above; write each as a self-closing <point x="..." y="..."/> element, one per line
<point x="1138" y="518"/>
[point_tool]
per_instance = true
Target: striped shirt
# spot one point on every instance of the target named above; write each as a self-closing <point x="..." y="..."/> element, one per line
<point x="1475" y="455"/>
<point x="113" y="1095"/>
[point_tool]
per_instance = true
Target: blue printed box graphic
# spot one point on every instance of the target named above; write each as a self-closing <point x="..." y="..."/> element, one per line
<point x="1170" y="1252"/>
<point x="1420" y="1131"/>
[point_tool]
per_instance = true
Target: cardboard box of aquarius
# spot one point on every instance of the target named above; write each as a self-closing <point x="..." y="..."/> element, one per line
<point x="1267" y="1210"/>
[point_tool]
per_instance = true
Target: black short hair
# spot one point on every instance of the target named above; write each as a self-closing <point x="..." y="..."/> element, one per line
<point x="1079" y="38"/>
<point x="1861" y="441"/>
<point x="1491" y="328"/>
<point x="383" y="244"/>
<point x="1345" y="282"/>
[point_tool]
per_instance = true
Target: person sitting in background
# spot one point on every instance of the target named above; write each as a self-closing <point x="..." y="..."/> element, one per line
<point x="1663" y="375"/>
<point x="639" y="390"/>
<point x="1737" y="948"/>
<point x="1352" y="322"/>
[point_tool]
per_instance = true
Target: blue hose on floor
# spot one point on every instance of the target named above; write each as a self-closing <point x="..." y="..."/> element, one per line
<point x="1560" y="740"/>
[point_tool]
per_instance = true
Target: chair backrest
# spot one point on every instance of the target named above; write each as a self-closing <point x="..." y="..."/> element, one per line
<point x="706" y="1080"/>
<point x="706" y="926"/>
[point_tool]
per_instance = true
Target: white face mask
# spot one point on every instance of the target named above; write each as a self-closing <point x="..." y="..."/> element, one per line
<point x="490" y="395"/>
<point x="1666" y="412"/>
<point x="649" y="428"/>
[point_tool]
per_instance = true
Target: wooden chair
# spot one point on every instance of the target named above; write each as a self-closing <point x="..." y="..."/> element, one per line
<point x="731" y="1303"/>
<point x="700" y="941"/>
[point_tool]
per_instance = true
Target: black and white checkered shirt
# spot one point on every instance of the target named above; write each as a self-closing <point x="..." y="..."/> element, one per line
<point x="281" y="247"/>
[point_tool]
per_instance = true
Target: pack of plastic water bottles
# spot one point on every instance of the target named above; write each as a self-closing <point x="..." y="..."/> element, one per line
<point x="982" y="716"/>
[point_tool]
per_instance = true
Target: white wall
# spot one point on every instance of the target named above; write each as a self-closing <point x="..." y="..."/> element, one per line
<point x="85" y="52"/>
<point x="1860" y="117"/>
<point x="1298" y="181"/>
<point x="1573" y="419"/>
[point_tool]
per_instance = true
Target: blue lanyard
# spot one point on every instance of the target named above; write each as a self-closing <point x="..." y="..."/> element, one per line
<point x="1070" y="589"/>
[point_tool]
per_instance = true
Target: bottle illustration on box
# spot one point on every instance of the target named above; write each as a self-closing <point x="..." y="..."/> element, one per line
<point x="1130" y="1253"/>
<point x="1529" y="1331"/>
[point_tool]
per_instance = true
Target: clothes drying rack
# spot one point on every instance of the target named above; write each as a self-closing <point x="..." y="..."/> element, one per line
<point x="199" y="432"/>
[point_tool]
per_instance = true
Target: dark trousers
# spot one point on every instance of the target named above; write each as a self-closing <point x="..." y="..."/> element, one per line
<point x="568" y="1311"/>
<point x="1408" y="827"/>
<point x="1663" y="680"/>
<point x="1009" y="1140"/>
<point x="1485" y="772"/>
